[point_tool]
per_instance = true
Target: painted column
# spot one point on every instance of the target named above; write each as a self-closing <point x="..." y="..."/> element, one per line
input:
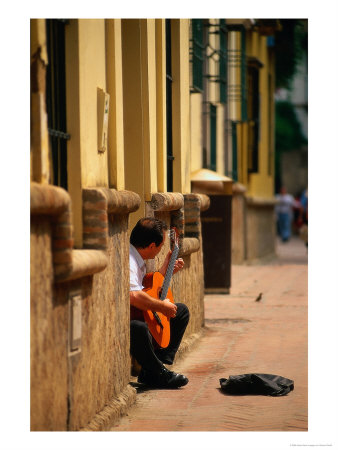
<point x="181" y="104"/>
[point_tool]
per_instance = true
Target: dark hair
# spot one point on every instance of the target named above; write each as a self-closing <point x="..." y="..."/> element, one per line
<point x="146" y="231"/>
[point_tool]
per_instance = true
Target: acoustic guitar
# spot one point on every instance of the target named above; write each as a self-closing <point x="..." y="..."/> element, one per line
<point x="157" y="286"/>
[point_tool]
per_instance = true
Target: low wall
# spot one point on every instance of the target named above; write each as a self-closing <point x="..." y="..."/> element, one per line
<point x="48" y="335"/>
<point x="253" y="227"/>
<point x="238" y="231"/>
<point x="80" y="362"/>
<point x="260" y="228"/>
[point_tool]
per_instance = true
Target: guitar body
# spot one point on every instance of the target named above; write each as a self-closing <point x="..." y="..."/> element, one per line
<point x="152" y="283"/>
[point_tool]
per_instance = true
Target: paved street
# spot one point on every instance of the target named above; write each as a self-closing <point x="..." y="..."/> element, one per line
<point x="243" y="334"/>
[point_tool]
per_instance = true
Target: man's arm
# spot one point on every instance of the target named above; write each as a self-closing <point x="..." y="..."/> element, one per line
<point x="179" y="263"/>
<point x="144" y="301"/>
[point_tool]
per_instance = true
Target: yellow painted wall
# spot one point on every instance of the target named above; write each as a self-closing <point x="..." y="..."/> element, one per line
<point x="242" y="152"/>
<point x="261" y="184"/>
<point x="141" y="82"/>
<point x="38" y="38"/>
<point x="234" y="80"/>
<point x="148" y="86"/>
<point x="115" y="90"/>
<point x="92" y="72"/>
<point x="196" y="131"/>
<point x="85" y="73"/>
<point x="39" y="152"/>
<point x="73" y="106"/>
<point x="181" y="104"/>
<point x="161" y="113"/>
<point x="220" y="162"/>
<point x="133" y="112"/>
<point x="126" y="58"/>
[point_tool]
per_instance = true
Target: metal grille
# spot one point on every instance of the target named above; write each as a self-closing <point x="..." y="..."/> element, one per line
<point x="56" y="99"/>
<point x="253" y="118"/>
<point x="223" y="70"/>
<point x="213" y="121"/>
<point x="197" y="54"/>
<point x="219" y="57"/>
<point x="243" y="75"/>
<point x="234" y="174"/>
<point x="237" y="91"/>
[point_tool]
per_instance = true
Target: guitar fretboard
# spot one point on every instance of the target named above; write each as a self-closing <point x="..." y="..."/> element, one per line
<point x="169" y="273"/>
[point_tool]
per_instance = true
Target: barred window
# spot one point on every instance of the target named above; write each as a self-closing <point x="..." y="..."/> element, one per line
<point x="234" y="174"/>
<point x="243" y="75"/>
<point x="56" y="99"/>
<point x="213" y="121"/>
<point x="223" y="70"/>
<point x="197" y="55"/>
<point x="253" y="113"/>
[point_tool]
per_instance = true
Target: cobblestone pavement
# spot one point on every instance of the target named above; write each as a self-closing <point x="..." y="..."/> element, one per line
<point x="243" y="334"/>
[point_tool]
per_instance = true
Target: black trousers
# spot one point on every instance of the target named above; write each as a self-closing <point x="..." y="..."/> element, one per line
<point x="142" y="347"/>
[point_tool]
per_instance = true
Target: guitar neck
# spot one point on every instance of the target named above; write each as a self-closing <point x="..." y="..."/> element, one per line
<point x="169" y="273"/>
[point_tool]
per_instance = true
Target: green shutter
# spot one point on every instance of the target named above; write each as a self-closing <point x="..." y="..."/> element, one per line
<point x="197" y="54"/>
<point x="213" y="121"/>
<point x="243" y="77"/>
<point x="223" y="72"/>
<point x="234" y="151"/>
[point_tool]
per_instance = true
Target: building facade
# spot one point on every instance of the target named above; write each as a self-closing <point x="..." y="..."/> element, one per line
<point x="232" y="122"/>
<point x="123" y="112"/>
<point x="101" y="127"/>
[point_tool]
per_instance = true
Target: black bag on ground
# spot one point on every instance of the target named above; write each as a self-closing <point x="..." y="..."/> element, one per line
<point x="256" y="384"/>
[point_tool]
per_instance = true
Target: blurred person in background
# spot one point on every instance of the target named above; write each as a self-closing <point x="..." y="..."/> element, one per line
<point x="284" y="212"/>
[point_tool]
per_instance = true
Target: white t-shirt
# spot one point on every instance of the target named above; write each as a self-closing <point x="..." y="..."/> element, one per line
<point x="137" y="269"/>
<point x="285" y="203"/>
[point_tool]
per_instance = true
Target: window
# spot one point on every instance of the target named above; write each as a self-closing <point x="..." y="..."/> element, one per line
<point x="197" y="55"/>
<point x="234" y="174"/>
<point x="209" y="67"/>
<point x="237" y="93"/>
<point x="253" y="114"/>
<point x="223" y="72"/>
<point x="213" y="121"/>
<point x="56" y="99"/>
<point x="243" y="75"/>
<point x="215" y="57"/>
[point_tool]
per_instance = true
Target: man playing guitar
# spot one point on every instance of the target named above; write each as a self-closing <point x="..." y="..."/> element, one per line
<point x="146" y="240"/>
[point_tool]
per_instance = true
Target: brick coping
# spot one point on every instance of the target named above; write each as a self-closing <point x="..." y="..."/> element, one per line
<point x="55" y="202"/>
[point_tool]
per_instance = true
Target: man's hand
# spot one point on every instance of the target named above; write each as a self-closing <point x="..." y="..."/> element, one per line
<point x="169" y="309"/>
<point x="144" y="302"/>
<point x="179" y="264"/>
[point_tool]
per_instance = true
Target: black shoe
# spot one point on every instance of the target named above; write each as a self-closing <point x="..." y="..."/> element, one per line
<point x="163" y="379"/>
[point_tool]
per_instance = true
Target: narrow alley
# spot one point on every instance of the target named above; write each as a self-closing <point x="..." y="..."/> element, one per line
<point x="260" y="327"/>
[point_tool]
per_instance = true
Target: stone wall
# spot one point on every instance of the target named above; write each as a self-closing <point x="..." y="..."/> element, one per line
<point x="253" y="227"/>
<point x="260" y="228"/>
<point x="80" y="362"/>
<point x="100" y="372"/>
<point x="48" y="335"/>
<point x="238" y="227"/>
